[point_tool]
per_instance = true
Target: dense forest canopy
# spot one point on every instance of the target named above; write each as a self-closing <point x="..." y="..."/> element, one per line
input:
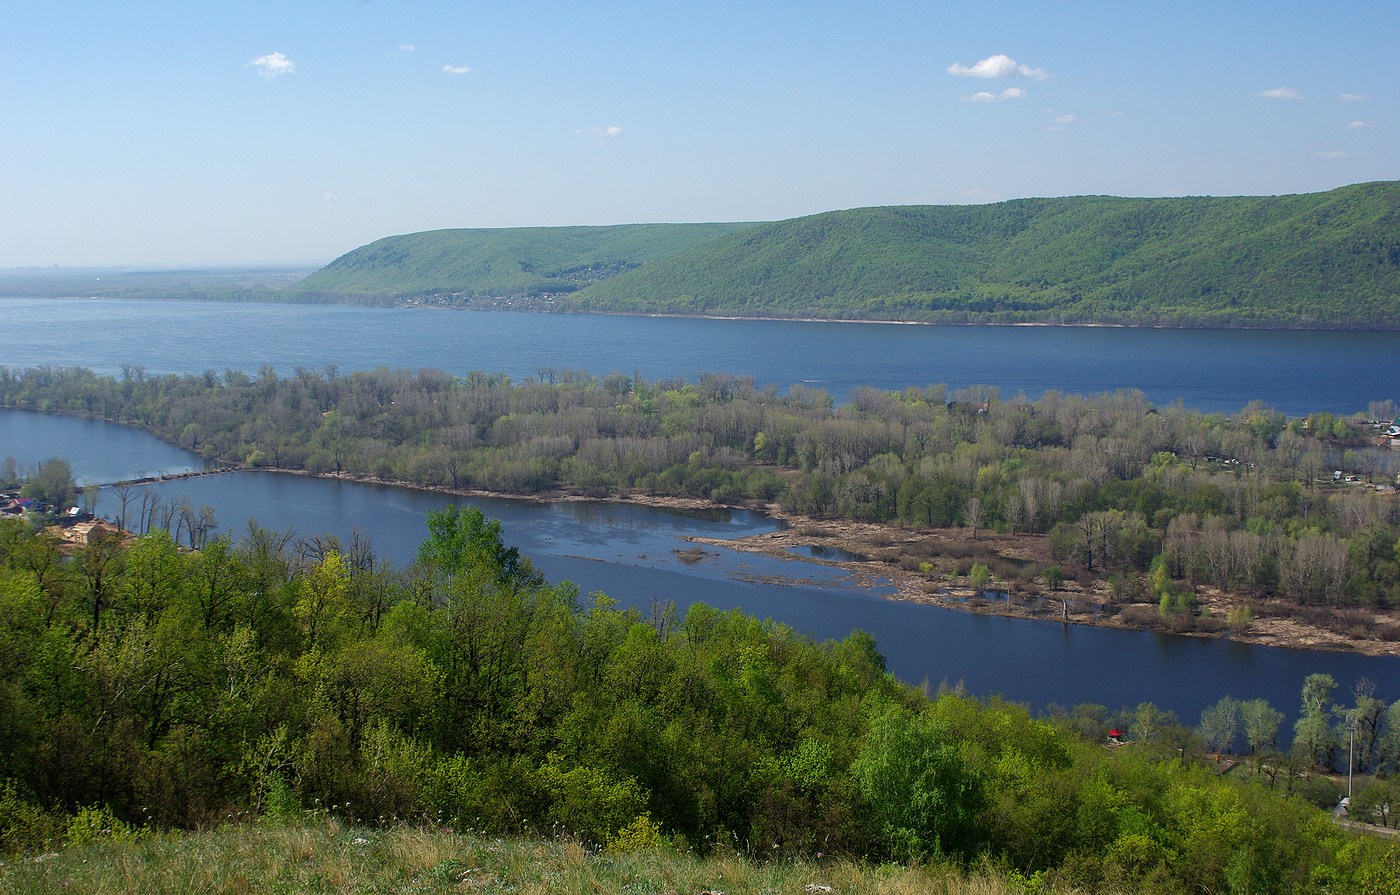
<point x="527" y="261"/>
<point x="1317" y="260"/>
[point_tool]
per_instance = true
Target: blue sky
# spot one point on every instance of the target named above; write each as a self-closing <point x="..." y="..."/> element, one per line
<point x="152" y="133"/>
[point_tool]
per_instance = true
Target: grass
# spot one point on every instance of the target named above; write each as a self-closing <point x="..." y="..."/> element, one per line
<point x="328" y="857"/>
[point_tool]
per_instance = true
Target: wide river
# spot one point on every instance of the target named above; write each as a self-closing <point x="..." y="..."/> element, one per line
<point x="630" y="552"/>
<point x="1214" y="370"/>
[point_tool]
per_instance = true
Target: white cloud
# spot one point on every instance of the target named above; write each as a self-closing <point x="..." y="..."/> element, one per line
<point x="998" y="66"/>
<point x="456" y="69"/>
<point x="1280" y="93"/>
<point x="407" y="48"/>
<point x="609" y="131"/>
<point x="330" y="198"/>
<point x="1352" y="98"/>
<point x="1060" y="122"/>
<point x="983" y="96"/>
<point x="1358" y="123"/>
<point x="1330" y="154"/>
<point x="273" y="64"/>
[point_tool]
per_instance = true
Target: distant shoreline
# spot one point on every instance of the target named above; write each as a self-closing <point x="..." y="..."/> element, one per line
<point x="1032" y="324"/>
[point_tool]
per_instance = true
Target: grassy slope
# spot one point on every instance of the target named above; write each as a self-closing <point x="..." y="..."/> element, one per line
<point x="502" y="262"/>
<point x="330" y="858"/>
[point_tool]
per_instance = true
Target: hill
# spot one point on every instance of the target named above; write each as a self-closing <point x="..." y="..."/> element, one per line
<point x="1323" y="260"/>
<point x="523" y="261"/>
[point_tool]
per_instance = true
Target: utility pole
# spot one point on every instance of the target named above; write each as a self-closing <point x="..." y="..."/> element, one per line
<point x="1351" y="748"/>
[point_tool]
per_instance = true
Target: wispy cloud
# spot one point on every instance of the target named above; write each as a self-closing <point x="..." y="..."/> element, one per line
<point x="1060" y="122"/>
<point x="978" y="195"/>
<point x="273" y="64"/>
<point x="998" y="66"/>
<point x="456" y="69"/>
<point x="1352" y="98"/>
<point x="983" y="96"/>
<point x="1358" y="124"/>
<point x="1280" y="93"/>
<point x="407" y="48"/>
<point x="603" y="134"/>
<point x="1330" y="154"/>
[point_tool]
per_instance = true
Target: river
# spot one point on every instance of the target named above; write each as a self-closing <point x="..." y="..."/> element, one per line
<point x="1297" y="372"/>
<point x="630" y="552"/>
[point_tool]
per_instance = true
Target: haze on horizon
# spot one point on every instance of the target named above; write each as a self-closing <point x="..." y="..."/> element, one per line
<point x="156" y="134"/>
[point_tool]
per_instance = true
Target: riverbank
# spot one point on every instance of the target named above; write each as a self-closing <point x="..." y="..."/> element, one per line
<point x="931" y="566"/>
<point x="891" y="550"/>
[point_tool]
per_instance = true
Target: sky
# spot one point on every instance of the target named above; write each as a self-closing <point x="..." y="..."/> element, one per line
<point x="226" y="133"/>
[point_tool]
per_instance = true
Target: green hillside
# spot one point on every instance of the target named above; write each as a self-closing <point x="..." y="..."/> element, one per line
<point x="1327" y="259"/>
<point x="1317" y="260"/>
<point x="519" y="261"/>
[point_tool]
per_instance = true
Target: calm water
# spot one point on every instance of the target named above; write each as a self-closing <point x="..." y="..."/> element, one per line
<point x="99" y="452"/>
<point x="630" y="553"/>
<point x="1214" y="370"/>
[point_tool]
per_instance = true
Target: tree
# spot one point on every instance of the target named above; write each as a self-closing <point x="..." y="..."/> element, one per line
<point x="459" y="540"/>
<point x="53" y="484"/>
<point x="1219" y="724"/>
<point x="1312" y="734"/>
<point x="1261" y="723"/>
<point x="912" y="775"/>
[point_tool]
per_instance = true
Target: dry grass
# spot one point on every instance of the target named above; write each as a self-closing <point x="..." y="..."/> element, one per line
<point x="329" y="858"/>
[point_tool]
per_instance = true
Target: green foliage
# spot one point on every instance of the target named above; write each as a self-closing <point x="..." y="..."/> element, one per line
<point x="502" y="704"/>
<point x="89" y="824"/>
<point x="979" y="576"/>
<point x="24" y="826"/>
<point x="527" y="261"/>
<point x="53" y="484"/>
<point x="926" y="796"/>
<point x="464" y="539"/>
<point x="1326" y="259"/>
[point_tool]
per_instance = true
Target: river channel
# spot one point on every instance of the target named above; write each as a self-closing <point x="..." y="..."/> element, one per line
<point x="631" y="553"/>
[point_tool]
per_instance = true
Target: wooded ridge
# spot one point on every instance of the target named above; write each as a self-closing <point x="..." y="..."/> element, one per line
<point x="1323" y="260"/>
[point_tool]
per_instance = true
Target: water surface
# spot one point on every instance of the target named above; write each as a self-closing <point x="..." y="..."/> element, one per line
<point x="1215" y="370"/>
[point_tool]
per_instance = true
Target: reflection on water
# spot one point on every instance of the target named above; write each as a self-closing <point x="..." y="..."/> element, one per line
<point x="836" y="554"/>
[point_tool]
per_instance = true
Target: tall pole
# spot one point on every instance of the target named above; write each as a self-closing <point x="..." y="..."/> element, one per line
<point x="1351" y="748"/>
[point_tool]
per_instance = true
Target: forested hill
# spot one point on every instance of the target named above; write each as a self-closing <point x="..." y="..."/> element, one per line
<point x="525" y="261"/>
<point x="1317" y="260"/>
<point x="1326" y="259"/>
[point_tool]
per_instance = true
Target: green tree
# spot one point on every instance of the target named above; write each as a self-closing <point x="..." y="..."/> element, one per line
<point x="912" y="775"/>
<point x="1261" y="724"/>
<point x="53" y="484"/>
<point x="1312" y="733"/>
<point x="462" y="539"/>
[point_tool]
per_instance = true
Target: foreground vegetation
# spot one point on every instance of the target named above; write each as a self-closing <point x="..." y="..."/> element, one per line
<point x="145" y="689"/>
<point x="330" y="857"/>
<point x="1321" y="260"/>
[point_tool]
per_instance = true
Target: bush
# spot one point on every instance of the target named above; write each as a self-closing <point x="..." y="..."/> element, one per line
<point x="24" y="826"/>
<point x="979" y="576"/>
